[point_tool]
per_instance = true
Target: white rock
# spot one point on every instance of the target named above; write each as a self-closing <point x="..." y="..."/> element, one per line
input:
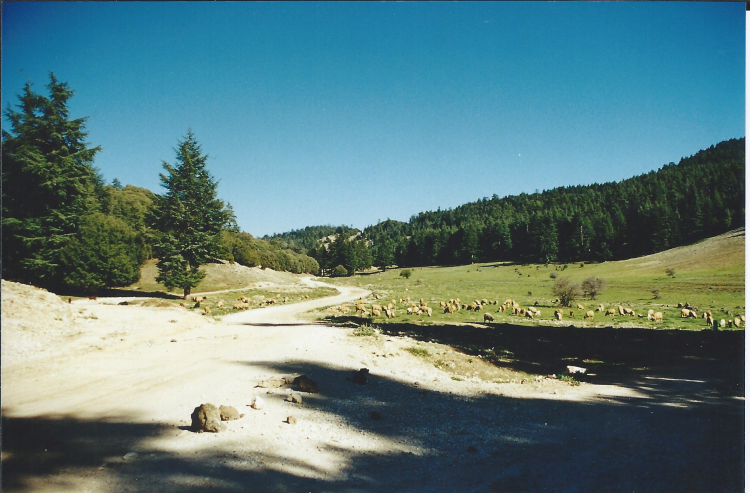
<point x="258" y="403"/>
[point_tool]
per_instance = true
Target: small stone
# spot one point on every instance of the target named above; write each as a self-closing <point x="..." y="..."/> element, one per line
<point x="306" y="384"/>
<point x="228" y="413"/>
<point x="291" y="420"/>
<point x="295" y="397"/>
<point x="272" y="383"/>
<point x="258" y="403"/>
<point x="173" y="340"/>
<point x="360" y="376"/>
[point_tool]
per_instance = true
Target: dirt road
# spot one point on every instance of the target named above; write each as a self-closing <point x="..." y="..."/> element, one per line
<point x="100" y="400"/>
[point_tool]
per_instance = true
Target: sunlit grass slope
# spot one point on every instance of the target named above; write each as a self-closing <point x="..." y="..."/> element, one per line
<point x="709" y="275"/>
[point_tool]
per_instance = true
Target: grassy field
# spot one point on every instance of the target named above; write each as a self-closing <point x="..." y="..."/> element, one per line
<point x="710" y="275"/>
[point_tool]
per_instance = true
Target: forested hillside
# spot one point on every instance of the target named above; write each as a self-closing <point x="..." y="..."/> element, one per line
<point x="699" y="197"/>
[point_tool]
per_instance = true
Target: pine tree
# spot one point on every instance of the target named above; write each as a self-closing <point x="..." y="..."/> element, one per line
<point x="188" y="219"/>
<point x="49" y="184"/>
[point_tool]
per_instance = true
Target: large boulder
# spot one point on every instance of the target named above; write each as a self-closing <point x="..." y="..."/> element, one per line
<point x="206" y="417"/>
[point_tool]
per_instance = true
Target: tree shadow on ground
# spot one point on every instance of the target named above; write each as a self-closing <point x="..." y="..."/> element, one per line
<point x="610" y="354"/>
<point x="660" y="440"/>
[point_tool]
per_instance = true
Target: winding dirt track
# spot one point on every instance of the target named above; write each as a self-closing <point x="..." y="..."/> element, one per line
<point x="291" y="313"/>
<point x="106" y="408"/>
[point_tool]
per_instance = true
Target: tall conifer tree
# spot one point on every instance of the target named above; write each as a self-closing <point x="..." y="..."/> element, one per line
<point x="188" y="219"/>
<point x="49" y="184"/>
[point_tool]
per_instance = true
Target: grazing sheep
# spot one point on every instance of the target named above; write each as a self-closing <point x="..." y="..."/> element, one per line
<point x="600" y="308"/>
<point x="449" y="309"/>
<point x="629" y="312"/>
<point x="650" y="314"/>
<point x="219" y="303"/>
<point x="206" y="310"/>
<point x="501" y="309"/>
<point x="684" y="313"/>
<point x="377" y="307"/>
<point x="529" y="314"/>
<point x="375" y="312"/>
<point x="360" y="308"/>
<point x="722" y="323"/>
<point x="612" y="311"/>
<point x="710" y="321"/>
<point x="428" y="311"/>
<point x="621" y="310"/>
<point x="588" y="314"/>
<point x="241" y="306"/>
<point x="580" y="307"/>
<point x="707" y="313"/>
<point x="692" y="314"/>
<point x="488" y="317"/>
<point x="558" y="314"/>
<point x="658" y="317"/>
<point x="572" y="313"/>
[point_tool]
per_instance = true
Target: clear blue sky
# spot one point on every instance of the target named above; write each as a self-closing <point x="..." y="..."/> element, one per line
<point x="350" y="113"/>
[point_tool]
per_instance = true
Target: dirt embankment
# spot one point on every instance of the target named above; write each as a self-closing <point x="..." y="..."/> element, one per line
<point x="98" y="398"/>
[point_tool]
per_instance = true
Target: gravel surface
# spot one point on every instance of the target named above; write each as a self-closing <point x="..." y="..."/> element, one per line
<point x="99" y="397"/>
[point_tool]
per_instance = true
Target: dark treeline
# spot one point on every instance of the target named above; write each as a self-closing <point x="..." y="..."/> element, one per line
<point x="701" y="196"/>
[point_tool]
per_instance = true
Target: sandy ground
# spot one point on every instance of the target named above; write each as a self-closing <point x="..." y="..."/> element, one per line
<point x="98" y="397"/>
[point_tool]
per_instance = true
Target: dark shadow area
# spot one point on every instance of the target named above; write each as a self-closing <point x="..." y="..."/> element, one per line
<point x="436" y="441"/>
<point x="117" y="293"/>
<point x="611" y="355"/>
<point x="667" y="435"/>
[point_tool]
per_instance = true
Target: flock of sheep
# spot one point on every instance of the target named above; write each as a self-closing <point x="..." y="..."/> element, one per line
<point x="514" y="308"/>
<point x="242" y="303"/>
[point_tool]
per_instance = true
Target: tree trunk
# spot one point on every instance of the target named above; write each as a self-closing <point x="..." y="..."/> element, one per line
<point x="186" y="292"/>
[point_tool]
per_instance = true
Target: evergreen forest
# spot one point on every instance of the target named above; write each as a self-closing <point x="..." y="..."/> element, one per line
<point x="701" y="196"/>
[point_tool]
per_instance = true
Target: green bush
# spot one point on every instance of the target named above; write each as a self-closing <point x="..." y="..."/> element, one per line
<point x="406" y="273"/>
<point x="339" y="271"/>
<point x="106" y="253"/>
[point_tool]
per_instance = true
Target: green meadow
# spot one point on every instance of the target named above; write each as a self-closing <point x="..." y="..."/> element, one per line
<point x="709" y="275"/>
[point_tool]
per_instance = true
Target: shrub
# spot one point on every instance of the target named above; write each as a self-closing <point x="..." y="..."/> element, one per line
<point x="365" y="331"/>
<point x="591" y="287"/>
<point x="553" y="275"/>
<point x="421" y="352"/>
<point x="566" y="291"/>
<point x="339" y="271"/>
<point x="657" y="293"/>
<point x="406" y="273"/>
